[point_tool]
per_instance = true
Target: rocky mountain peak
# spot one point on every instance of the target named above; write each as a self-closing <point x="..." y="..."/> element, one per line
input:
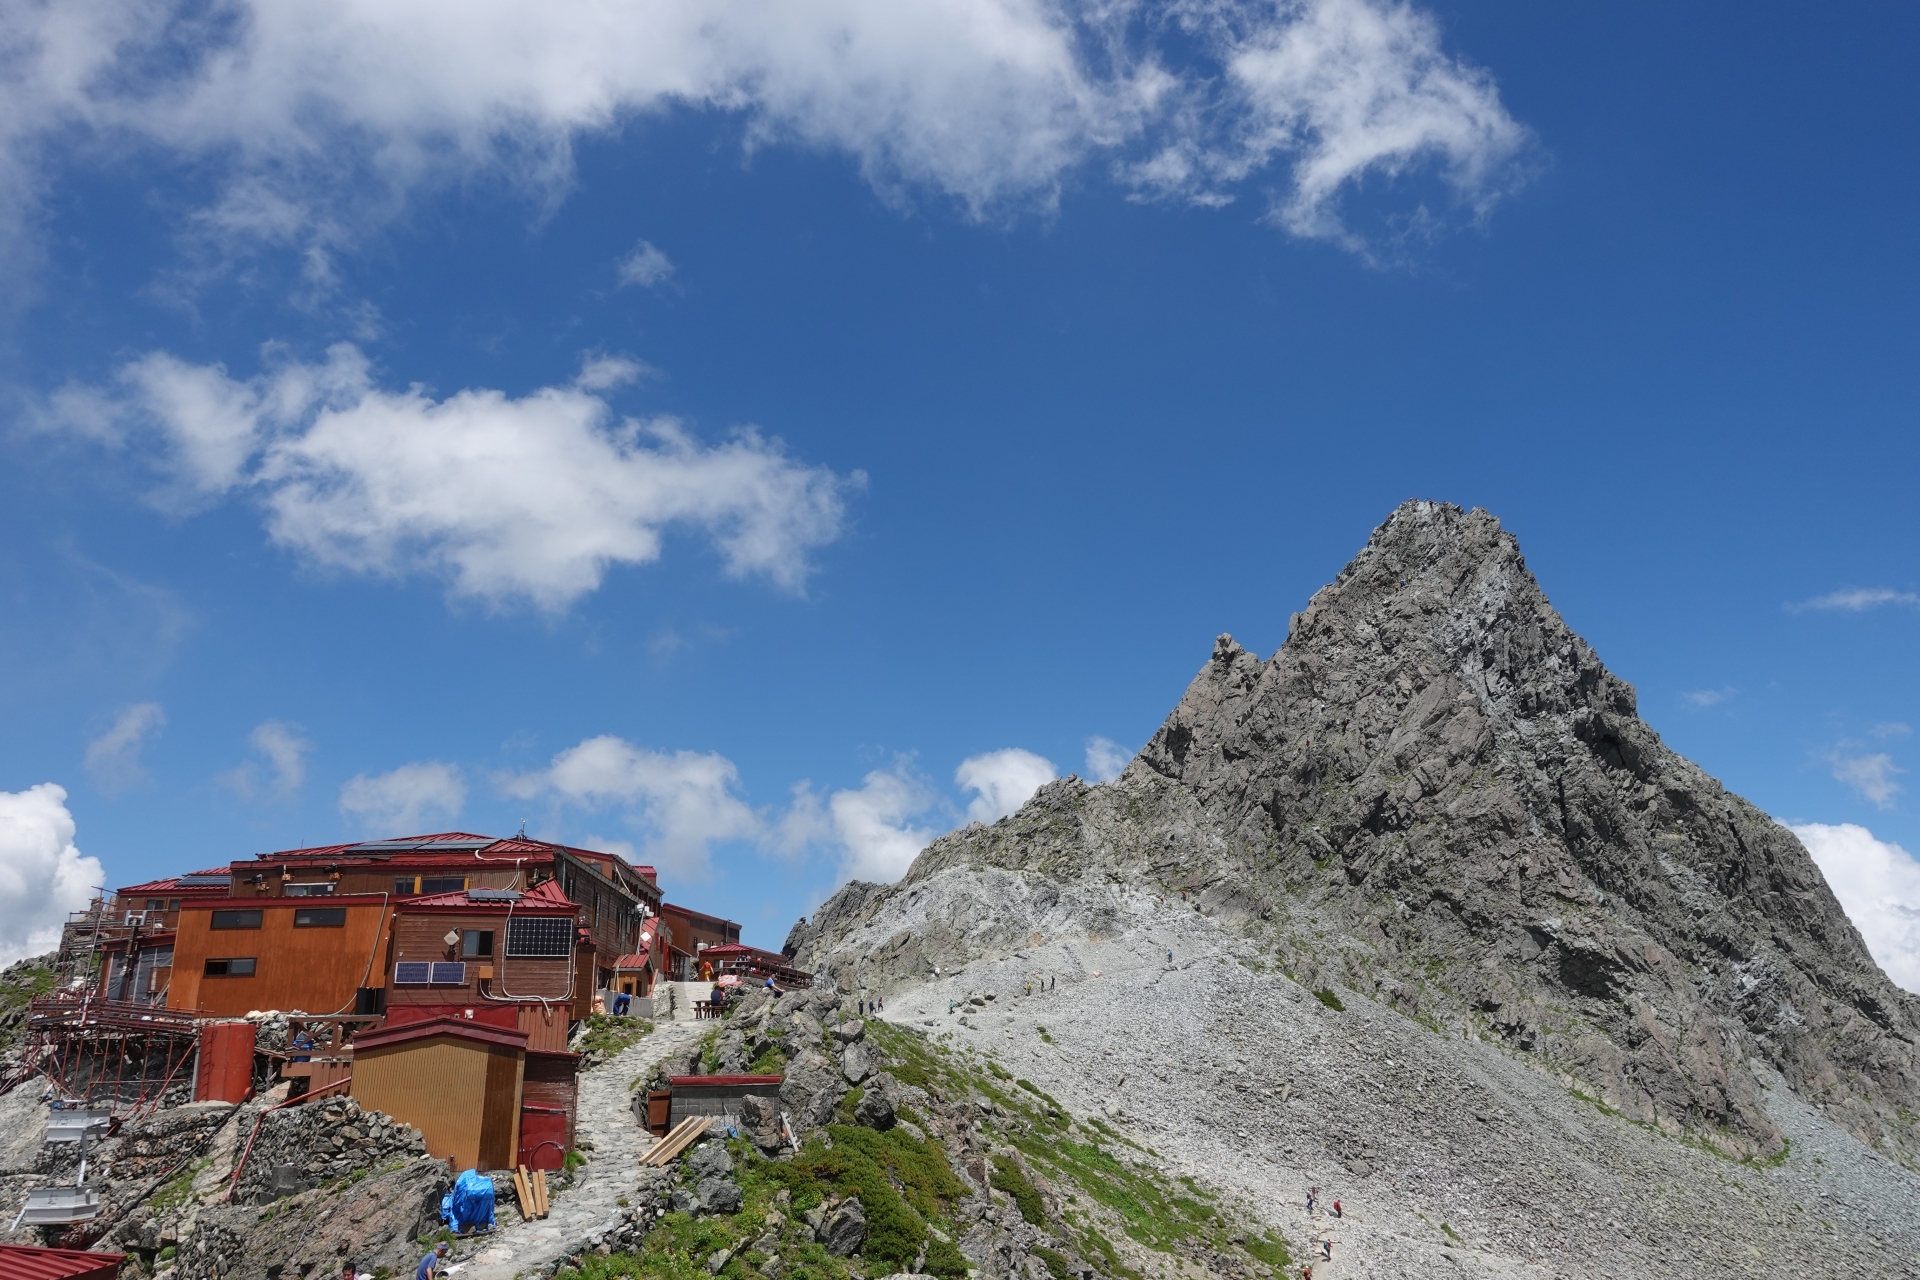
<point x="1436" y="792"/>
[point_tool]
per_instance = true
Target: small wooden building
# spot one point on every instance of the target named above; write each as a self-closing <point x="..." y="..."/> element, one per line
<point x="460" y="1083"/>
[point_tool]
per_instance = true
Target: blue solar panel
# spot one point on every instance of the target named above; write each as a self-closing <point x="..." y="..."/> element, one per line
<point x="412" y="973"/>
<point x="449" y="973"/>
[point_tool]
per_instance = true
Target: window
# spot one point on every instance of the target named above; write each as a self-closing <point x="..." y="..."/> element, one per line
<point x="309" y="889"/>
<point x="476" y="942"/>
<point x="403" y="886"/>
<point x="319" y="917"/>
<point x="173" y="904"/>
<point x="538" y="936"/>
<point x="442" y="884"/>
<point x="156" y="904"/>
<point x="235" y="967"/>
<point x="236" y="920"/>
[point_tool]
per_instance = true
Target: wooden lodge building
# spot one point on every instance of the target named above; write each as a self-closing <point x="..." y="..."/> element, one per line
<point x="441" y="974"/>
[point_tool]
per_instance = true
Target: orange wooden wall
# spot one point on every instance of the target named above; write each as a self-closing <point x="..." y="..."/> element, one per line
<point x="462" y="1096"/>
<point x="314" y="970"/>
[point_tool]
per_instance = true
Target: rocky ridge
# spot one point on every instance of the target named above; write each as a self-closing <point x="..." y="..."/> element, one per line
<point x="1435" y="797"/>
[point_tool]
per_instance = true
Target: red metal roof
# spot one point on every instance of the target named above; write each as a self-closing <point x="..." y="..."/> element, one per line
<point x="429" y="1027"/>
<point x="28" y="1262"/>
<point x="544" y="897"/>
<point x="171" y="884"/>
<point x="632" y="960"/>
<point x="700" y="915"/>
<point x="694" y="1082"/>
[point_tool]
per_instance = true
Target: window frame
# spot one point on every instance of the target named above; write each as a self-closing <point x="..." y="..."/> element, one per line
<point x="477" y="944"/>
<point x="227" y="970"/>
<point x="214" y="918"/>
<point x="337" y="918"/>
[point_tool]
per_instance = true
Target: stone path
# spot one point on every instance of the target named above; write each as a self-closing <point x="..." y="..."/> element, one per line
<point x="610" y="1173"/>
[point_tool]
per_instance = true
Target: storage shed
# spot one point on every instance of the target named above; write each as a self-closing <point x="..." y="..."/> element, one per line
<point x="460" y="1083"/>
<point x="717" y="1095"/>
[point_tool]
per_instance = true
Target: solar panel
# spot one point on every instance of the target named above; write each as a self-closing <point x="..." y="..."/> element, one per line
<point x="412" y="973"/>
<point x="203" y="882"/>
<point x="425" y="846"/>
<point x="535" y="936"/>
<point x="449" y="973"/>
<point x="492" y="895"/>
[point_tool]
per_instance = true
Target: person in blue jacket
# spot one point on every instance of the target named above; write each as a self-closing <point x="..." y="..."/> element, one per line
<point x="430" y="1265"/>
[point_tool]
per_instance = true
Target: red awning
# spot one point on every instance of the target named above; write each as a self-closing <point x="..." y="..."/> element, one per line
<point x="26" y="1262"/>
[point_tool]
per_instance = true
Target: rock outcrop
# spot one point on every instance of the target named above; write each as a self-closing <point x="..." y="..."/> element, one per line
<point x="1435" y="792"/>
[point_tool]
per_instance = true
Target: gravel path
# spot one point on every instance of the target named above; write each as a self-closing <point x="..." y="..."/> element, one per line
<point x="593" y="1201"/>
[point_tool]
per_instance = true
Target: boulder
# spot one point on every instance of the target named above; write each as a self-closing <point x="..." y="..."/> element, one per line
<point x="850" y="1032"/>
<point x="720" y="1195"/>
<point x="856" y="1063"/>
<point x="812" y="1089"/>
<point x="709" y="1160"/>
<point x="874" y="1110"/>
<point x="760" y="1122"/>
<point x="845" y="1229"/>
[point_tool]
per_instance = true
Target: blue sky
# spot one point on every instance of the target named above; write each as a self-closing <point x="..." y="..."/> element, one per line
<point x="709" y="426"/>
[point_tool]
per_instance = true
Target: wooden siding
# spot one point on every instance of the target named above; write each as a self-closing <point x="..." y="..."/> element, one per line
<point x="419" y="937"/>
<point x="311" y="970"/>
<point x="546" y="1028"/>
<point x="459" y="1094"/>
<point x="553" y="1080"/>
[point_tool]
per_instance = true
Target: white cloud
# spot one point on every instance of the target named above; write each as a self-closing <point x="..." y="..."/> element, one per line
<point x="1879" y="886"/>
<point x="1870" y="774"/>
<point x="1858" y="600"/>
<point x="874" y="824"/>
<point x="42" y="875"/>
<point x="1002" y="781"/>
<point x="1891" y="729"/>
<point x="1106" y="758"/>
<point x="511" y="500"/>
<point x="315" y="116"/>
<point x="1704" y="698"/>
<point x="684" y="800"/>
<point x="113" y="758"/>
<point x="401" y="802"/>
<point x="286" y="757"/>
<point x="646" y="267"/>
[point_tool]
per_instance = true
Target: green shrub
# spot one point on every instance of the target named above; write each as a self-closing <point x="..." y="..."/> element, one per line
<point x="1057" y="1263"/>
<point x="1008" y="1178"/>
<point x="1326" y="997"/>
<point x="1271" y="1250"/>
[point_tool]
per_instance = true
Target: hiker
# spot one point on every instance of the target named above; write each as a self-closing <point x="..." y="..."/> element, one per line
<point x="1326" y="1247"/>
<point x="431" y="1265"/>
<point x="1029" y="988"/>
<point x="621" y="1003"/>
<point x="880" y="1003"/>
<point x="1169" y="955"/>
<point x="1336" y="1208"/>
<point x="1313" y="1196"/>
<point x="1306" y="1272"/>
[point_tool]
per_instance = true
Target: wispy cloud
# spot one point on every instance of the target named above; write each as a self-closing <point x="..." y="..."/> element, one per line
<point x="1858" y="600"/>
<point x="296" y="113"/>
<point x="284" y="753"/>
<point x="113" y="758"/>
<point x="1704" y="698"/>
<point x="1002" y="781"/>
<point x="1870" y="773"/>
<point x="1891" y="729"/>
<point x="684" y="801"/>
<point x="512" y="501"/>
<point x="645" y="267"/>
<point x="401" y="802"/>
<point x="1105" y="759"/>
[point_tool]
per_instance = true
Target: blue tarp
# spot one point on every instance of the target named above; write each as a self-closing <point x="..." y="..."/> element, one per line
<point x="469" y="1206"/>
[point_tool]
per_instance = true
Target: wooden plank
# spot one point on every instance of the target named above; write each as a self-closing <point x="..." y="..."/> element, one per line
<point x="540" y="1191"/>
<point x="679" y="1140"/>
<point x="524" y="1191"/>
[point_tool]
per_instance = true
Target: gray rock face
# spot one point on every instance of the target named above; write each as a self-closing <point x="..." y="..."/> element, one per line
<point x="1439" y="775"/>
<point x="709" y="1160"/>
<point x="874" y="1110"/>
<point x="760" y="1122"/>
<point x="845" y="1229"/>
<point x="855" y="1063"/>
<point x="719" y="1195"/>
<point x="812" y="1089"/>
